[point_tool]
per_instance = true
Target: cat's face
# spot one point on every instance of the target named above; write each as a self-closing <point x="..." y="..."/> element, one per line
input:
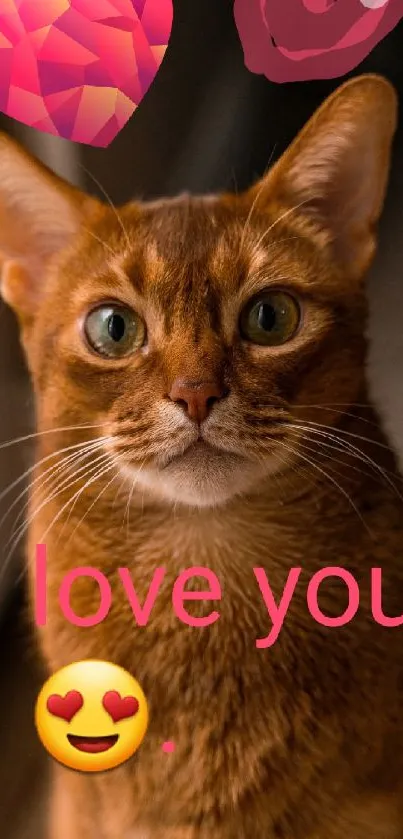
<point x="199" y="336"/>
<point x="194" y="342"/>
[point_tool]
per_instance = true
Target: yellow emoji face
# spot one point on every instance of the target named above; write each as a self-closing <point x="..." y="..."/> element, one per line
<point x="91" y="716"/>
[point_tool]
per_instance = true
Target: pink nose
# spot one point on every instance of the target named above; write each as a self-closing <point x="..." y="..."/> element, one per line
<point x="197" y="398"/>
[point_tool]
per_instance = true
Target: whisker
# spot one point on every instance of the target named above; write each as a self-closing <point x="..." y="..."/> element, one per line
<point x="38" y="464"/>
<point x="346" y="433"/>
<point x="66" y="484"/>
<point x="110" y="202"/>
<point x="24" y="527"/>
<point x="259" y="192"/>
<point x="278" y="220"/>
<point x="103" y="490"/>
<point x="48" y="476"/>
<point x="358" y="453"/>
<point x="328" y="477"/>
<point x="294" y="467"/>
<point x="117" y="499"/>
<point x="101" y="242"/>
<point x="102" y="471"/>
<point x="78" y="473"/>
<point x="320" y="445"/>
<point x="98" y="473"/>
<point x="102" y="458"/>
<point x="130" y="495"/>
<point x="330" y="409"/>
<point x="37" y="434"/>
<point x="341" y="405"/>
<point x="332" y="433"/>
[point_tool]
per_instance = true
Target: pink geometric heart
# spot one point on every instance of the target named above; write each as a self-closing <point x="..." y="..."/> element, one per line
<point x="80" y="68"/>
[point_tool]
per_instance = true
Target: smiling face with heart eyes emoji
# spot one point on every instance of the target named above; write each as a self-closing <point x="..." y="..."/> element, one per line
<point x="91" y="716"/>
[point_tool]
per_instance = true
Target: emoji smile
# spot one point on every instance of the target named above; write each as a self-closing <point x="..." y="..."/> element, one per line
<point x="92" y="745"/>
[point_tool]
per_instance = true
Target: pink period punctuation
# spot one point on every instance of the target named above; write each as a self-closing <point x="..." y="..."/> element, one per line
<point x="168" y="747"/>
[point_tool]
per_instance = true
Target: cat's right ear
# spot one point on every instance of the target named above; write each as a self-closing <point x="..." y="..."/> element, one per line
<point x="39" y="216"/>
<point x="333" y="177"/>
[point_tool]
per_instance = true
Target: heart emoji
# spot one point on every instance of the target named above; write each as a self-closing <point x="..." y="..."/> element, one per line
<point x="65" y="707"/>
<point x="118" y="708"/>
<point x="80" y="68"/>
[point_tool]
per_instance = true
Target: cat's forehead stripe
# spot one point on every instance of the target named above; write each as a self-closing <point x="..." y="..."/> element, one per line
<point x="180" y="257"/>
<point x="190" y="256"/>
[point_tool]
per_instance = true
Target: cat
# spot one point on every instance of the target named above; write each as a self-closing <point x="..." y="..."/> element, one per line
<point x="198" y="365"/>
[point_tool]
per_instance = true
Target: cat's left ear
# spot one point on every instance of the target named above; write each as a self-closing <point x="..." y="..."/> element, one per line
<point x="39" y="216"/>
<point x="334" y="175"/>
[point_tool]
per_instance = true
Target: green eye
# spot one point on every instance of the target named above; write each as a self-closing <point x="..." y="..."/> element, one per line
<point x="270" y="319"/>
<point x="114" y="331"/>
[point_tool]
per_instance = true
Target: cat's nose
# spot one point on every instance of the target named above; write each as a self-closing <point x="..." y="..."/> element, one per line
<point x="196" y="397"/>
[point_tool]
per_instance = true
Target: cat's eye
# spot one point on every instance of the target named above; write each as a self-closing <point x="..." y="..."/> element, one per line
<point x="114" y="331"/>
<point x="270" y="318"/>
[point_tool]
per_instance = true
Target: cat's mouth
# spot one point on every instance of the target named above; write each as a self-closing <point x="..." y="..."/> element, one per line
<point x="198" y="449"/>
<point x="200" y="474"/>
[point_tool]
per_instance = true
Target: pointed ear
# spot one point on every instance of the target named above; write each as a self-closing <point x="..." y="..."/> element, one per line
<point x="39" y="216"/>
<point x="335" y="173"/>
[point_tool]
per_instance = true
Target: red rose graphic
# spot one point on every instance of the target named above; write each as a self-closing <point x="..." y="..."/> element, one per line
<point x="298" y="40"/>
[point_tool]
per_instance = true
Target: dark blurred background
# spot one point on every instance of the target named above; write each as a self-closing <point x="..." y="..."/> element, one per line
<point x="206" y="124"/>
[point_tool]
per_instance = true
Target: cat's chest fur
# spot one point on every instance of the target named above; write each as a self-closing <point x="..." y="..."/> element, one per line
<point x="253" y="716"/>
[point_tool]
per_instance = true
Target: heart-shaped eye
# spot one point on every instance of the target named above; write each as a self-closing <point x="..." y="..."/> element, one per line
<point x="120" y="708"/>
<point x="65" y="707"/>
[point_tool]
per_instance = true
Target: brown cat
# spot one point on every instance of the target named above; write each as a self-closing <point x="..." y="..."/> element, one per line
<point x="205" y="358"/>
